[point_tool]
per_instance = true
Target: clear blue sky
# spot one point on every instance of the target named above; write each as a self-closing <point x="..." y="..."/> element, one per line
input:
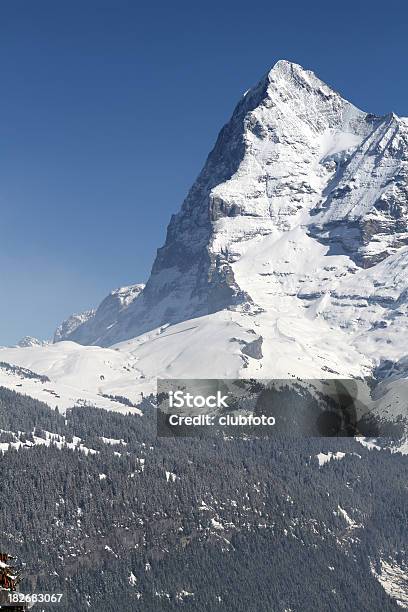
<point x="109" y="108"/>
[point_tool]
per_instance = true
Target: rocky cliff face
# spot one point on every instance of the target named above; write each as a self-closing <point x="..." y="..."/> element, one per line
<point x="364" y="210"/>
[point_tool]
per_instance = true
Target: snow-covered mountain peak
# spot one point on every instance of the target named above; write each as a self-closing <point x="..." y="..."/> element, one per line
<point x="290" y="85"/>
<point x="69" y="325"/>
<point x="292" y="75"/>
<point x="28" y="341"/>
<point x="294" y="154"/>
<point x="288" y="257"/>
<point x="86" y="327"/>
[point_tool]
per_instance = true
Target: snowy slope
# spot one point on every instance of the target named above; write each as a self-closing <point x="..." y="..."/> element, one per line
<point x="68" y="374"/>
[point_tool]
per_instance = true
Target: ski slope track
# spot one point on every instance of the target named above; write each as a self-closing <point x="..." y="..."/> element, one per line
<point x="289" y="257"/>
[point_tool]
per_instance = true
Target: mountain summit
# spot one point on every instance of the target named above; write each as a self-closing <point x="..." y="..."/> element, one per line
<point x="299" y="206"/>
<point x="289" y="257"/>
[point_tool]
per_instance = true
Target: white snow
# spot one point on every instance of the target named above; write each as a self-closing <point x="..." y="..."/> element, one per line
<point x="394" y="580"/>
<point x="79" y="375"/>
<point x="352" y="524"/>
<point x="113" y="441"/>
<point x="368" y="443"/>
<point x="326" y="457"/>
<point x="170" y="476"/>
<point x="183" y="594"/>
<point x="51" y="439"/>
